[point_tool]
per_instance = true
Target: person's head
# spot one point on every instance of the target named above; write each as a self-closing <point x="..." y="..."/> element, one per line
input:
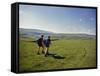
<point x="42" y="36"/>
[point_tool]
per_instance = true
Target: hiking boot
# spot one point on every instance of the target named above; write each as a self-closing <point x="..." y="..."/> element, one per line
<point x="38" y="53"/>
<point x="45" y="55"/>
<point x="42" y="52"/>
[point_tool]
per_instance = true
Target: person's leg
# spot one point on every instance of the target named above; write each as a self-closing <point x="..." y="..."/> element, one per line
<point x="43" y="48"/>
<point x="38" y="50"/>
<point x="47" y="50"/>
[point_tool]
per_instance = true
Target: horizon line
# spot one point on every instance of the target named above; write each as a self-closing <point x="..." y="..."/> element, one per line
<point x="60" y="32"/>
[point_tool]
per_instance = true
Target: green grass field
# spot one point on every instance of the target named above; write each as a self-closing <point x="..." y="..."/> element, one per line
<point x="67" y="54"/>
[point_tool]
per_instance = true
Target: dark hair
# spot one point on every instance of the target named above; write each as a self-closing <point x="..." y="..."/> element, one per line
<point x="42" y="35"/>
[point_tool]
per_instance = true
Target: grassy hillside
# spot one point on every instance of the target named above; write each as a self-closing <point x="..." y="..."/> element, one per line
<point x="64" y="54"/>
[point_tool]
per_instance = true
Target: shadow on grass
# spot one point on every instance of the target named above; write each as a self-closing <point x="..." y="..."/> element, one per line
<point x="55" y="56"/>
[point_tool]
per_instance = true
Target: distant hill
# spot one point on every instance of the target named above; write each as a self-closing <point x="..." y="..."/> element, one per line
<point x="36" y="33"/>
<point x="33" y="32"/>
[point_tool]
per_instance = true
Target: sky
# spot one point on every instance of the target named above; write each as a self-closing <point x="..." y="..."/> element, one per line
<point x="58" y="19"/>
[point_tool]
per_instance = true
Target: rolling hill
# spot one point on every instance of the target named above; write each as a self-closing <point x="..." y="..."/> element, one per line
<point x="36" y="33"/>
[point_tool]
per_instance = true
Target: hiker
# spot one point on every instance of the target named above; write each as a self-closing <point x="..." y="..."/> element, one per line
<point x="47" y="43"/>
<point x="41" y="44"/>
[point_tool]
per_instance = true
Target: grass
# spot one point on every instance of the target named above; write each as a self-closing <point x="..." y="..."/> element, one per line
<point x="68" y="54"/>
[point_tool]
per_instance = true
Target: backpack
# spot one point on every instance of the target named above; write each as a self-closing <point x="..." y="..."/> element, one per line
<point x="38" y="41"/>
<point x="45" y="41"/>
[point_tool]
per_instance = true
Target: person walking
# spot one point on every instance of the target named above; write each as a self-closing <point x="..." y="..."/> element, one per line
<point x="47" y="44"/>
<point x="40" y="43"/>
